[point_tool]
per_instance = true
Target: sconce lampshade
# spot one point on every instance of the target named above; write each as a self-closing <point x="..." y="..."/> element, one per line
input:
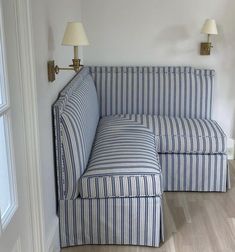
<point x="210" y="27"/>
<point x="75" y="35"/>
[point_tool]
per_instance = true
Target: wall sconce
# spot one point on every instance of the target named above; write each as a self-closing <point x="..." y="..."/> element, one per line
<point x="74" y="36"/>
<point x="208" y="28"/>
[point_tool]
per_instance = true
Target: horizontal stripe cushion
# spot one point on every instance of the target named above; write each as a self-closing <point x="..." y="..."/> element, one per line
<point x="123" y="163"/>
<point x="184" y="135"/>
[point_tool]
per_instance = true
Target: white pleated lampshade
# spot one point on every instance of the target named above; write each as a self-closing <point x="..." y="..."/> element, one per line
<point x="75" y="35"/>
<point x="210" y="27"/>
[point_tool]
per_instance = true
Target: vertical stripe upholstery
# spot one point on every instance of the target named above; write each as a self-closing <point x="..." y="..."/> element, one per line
<point x="76" y="115"/>
<point x="168" y="91"/>
<point x="175" y="104"/>
<point x="192" y="172"/>
<point x="124" y="221"/>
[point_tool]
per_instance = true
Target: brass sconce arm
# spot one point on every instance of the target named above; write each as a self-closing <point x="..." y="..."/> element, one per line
<point x="55" y="69"/>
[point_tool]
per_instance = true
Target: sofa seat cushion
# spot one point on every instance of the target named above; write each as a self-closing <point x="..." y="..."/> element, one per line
<point x="123" y="163"/>
<point x="184" y="135"/>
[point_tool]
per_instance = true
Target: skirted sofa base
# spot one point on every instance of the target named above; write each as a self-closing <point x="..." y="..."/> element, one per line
<point x="195" y="173"/>
<point x="123" y="221"/>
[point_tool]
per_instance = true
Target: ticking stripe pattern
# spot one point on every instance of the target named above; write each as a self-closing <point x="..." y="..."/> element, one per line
<point x="168" y="91"/>
<point x="123" y="162"/>
<point x="172" y="103"/>
<point x="76" y="116"/>
<point x="123" y="221"/>
<point x="187" y="172"/>
<point x="184" y="135"/>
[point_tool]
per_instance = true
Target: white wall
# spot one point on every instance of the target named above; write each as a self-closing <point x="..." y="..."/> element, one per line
<point x="49" y="21"/>
<point x="129" y="32"/>
<point x="165" y="32"/>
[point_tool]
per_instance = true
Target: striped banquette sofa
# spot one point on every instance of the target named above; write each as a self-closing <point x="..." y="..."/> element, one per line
<point x="123" y="135"/>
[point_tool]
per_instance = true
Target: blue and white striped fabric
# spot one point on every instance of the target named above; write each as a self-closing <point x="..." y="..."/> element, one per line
<point x="76" y="117"/>
<point x="123" y="162"/>
<point x="123" y="221"/>
<point x="184" y="135"/>
<point x="157" y="109"/>
<point x="167" y="91"/>
<point x="188" y="172"/>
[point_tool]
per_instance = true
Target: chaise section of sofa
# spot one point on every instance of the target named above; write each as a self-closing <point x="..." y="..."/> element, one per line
<point x="109" y="176"/>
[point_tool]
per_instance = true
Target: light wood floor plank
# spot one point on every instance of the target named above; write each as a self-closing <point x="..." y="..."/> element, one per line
<point x="194" y="222"/>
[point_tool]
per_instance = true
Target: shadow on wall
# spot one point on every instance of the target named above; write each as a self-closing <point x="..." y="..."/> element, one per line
<point x="175" y="39"/>
<point x="233" y="132"/>
<point x="226" y="44"/>
<point x="51" y="42"/>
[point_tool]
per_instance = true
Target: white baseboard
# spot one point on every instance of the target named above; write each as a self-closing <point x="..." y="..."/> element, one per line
<point x="53" y="241"/>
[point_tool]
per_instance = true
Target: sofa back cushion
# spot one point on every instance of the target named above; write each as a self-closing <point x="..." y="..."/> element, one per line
<point x="76" y="115"/>
<point x="166" y="91"/>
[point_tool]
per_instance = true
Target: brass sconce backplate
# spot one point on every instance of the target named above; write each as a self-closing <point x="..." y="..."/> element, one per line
<point x="51" y="70"/>
<point x="205" y="48"/>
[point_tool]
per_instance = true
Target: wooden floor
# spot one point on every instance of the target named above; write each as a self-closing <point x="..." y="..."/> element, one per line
<point x="200" y="222"/>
